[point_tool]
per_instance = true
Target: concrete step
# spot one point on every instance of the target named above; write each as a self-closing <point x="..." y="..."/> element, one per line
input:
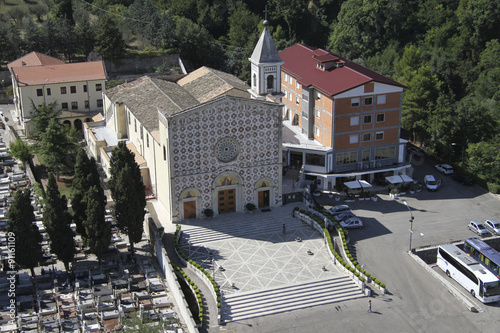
<point x="266" y="302"/>
<point x="196" y="235"/>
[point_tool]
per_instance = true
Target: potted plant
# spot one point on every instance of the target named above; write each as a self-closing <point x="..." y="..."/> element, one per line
<point x="374" y="197"/>
<point x="250" y="207"/>
<point x="208" y="213"/>
<point x="419" y="187"/>
<point x="394" y="192"/>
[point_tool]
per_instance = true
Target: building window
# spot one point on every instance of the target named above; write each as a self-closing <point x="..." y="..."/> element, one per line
<point x="318" y="113"/>
<point x="135" y="125"/>
<point x="74" y="105"/>
<point x="64" y="106"/>
<point x="381" y="99"/>
<point x="318" y="96"/>
<point x="99" y="103"/>
<point x="354" y="102"/>
<point x="297" y="85"/>
<point x="128" y="117"/>
<point x="297" y="100"/>
<point x="305" y="97"/>
<point x="355" y="121"/>
<point x="317" y="131"/>
<point x="366" y="155"/>
<point x="270" y="82"/>
<point x="367" y="119"/>
<point x="147" y="140"/>
<point x="367" y="137"/>
<point x="379" y="136"/>
<point x="315" y="159"/>
<point x="49" y="92"/>
<point x="347" y="157"/>
<point x="385" y="153"/>
<point x="84" y="88"/>
<point x="286" y="77"/>
<point x="368" y="100"/>
<point x="87" y="106"/>
<point x="353" y="138"/>
<point x="63" y="90"/>
<point x="254" y="80"/>
<point x="142" y="132"/>
<point x="72" y="89"/>
<point x="290" y="79"/>
<point x="164" y="154"/>
<point x="39" y="92"/>
<point x="98" y="87"/>
<point x="380" y="117"/>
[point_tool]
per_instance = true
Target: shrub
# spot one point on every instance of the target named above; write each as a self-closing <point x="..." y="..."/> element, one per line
<point x="367" y="274"/>
<point x="208" y="212"/>
<point x="382" y="285"/>
<point x="250" y="207"/>
<point x="296" y="208"/>
<point x="218" y="304"/>
<point x="351" y="269"/>
<point x="356" y="274"/>
<point x="377" y="281"/>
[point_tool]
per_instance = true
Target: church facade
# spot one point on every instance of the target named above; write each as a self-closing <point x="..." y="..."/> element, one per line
<point x="202" y="142"/>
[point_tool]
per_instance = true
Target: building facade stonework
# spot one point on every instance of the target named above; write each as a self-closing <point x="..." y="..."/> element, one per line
<point x="226" y="155"/>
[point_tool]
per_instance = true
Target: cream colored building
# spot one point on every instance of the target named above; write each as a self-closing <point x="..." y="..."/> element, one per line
<point x="201" y="142"/>
<point x="76" y="87"/>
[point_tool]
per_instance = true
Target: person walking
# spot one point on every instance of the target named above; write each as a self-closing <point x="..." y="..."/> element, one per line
<point x="284" y="228"/>
<point x="370" y="305"/>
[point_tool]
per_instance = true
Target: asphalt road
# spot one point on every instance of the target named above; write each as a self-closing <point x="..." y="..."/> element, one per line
<point x="417" y="302"/>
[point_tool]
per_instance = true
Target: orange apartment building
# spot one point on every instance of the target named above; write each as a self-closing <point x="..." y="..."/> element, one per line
<point x="341" y="120"/>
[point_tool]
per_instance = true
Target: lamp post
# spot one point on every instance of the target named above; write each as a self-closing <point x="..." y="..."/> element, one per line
<point x="411" y="222"/>
<point x="459" y="144"/>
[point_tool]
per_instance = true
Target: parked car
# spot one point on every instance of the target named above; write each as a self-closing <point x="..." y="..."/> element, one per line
<point x="431" y="183"/>
<point x="493" y="226"/>
<point x="344" y="216"/>
<point x="464" y="180"/>
<point x="339" y="209"/>
<point x="444" y="168"/>
<point x="352" y="223"/>
<point x="478" y="228"/>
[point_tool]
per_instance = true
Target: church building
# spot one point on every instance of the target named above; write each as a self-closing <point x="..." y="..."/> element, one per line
<point x="202" y="142"/>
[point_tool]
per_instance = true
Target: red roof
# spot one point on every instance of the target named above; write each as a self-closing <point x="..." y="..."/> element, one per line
<point x="65" y="72"/>
<point x="300" y="62"/>
<point x="35" y="59"/>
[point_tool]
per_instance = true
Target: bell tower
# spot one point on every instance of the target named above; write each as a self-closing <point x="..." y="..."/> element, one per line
<point x="265" y="66"/>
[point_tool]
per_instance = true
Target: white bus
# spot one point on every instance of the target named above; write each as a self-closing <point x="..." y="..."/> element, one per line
<point x="468" y="272"/>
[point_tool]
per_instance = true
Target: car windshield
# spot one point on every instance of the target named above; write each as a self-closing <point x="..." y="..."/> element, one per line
<point x="480" y="226"/>
<point x="496" y="226"/>
<point x="431" y="182"/>
<point x="491" y="289"/>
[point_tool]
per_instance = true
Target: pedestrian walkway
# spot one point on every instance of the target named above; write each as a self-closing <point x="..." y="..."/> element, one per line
<point x="260" y="268"/>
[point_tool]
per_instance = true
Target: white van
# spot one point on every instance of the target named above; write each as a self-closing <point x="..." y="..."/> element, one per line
<point x="431" y="183"/>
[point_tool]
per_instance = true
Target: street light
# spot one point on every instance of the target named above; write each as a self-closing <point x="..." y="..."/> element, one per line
<point x="459" y="144"/>
<point x="411" y="221"/>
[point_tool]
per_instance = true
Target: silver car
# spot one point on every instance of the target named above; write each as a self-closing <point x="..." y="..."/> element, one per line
<point x="352" y="223"/>
<point x="343" y="216"/>
<point x="492" y="226"/>
<point x="478" y="228"/>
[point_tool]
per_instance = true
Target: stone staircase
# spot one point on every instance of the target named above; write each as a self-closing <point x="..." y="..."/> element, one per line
<point x="259" y="303"/>
<point x="196" y="235"/>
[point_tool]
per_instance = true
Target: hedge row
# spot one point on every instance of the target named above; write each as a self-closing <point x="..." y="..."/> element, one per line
<point x="357" y="270"/>
<point x="196" y="291"/>
<point x="198" y="266"/>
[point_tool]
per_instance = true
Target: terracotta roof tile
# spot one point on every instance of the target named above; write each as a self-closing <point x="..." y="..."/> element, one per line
<point x="35" y="59"/>
<point x="71" y="72"/>
<point x="300" y="62"/>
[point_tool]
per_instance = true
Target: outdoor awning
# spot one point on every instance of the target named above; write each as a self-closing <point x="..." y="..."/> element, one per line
<point x="399" y="179"/>
<point x="357" y="184"/>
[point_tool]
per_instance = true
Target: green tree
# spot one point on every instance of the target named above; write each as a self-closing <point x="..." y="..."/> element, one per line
<point x="109" y="39"/>
<point x="128" y="192"/>
<point x="53" y="147"/>
<point x="57" y="220"/>
<point x="242" y="22"/>
<point x="291" y="11"/>
<point x="194" y="42"/>
<point x="85" y="33"/>
<point x="62" y="9"/>
<point x="20" y="150"/>
<point x="28" y="239"/>
<point x="42" y="116"/>
<point x="85" y="176"/>
<point x="484" y="159"/>
<point x="98" y="231"/>
<point x="32" y="40"/>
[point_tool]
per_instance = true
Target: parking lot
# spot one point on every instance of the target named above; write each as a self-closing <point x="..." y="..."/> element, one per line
<point x="416" y="302"/>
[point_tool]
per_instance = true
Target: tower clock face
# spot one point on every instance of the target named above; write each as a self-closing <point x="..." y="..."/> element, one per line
<point x="226" y="149"/>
